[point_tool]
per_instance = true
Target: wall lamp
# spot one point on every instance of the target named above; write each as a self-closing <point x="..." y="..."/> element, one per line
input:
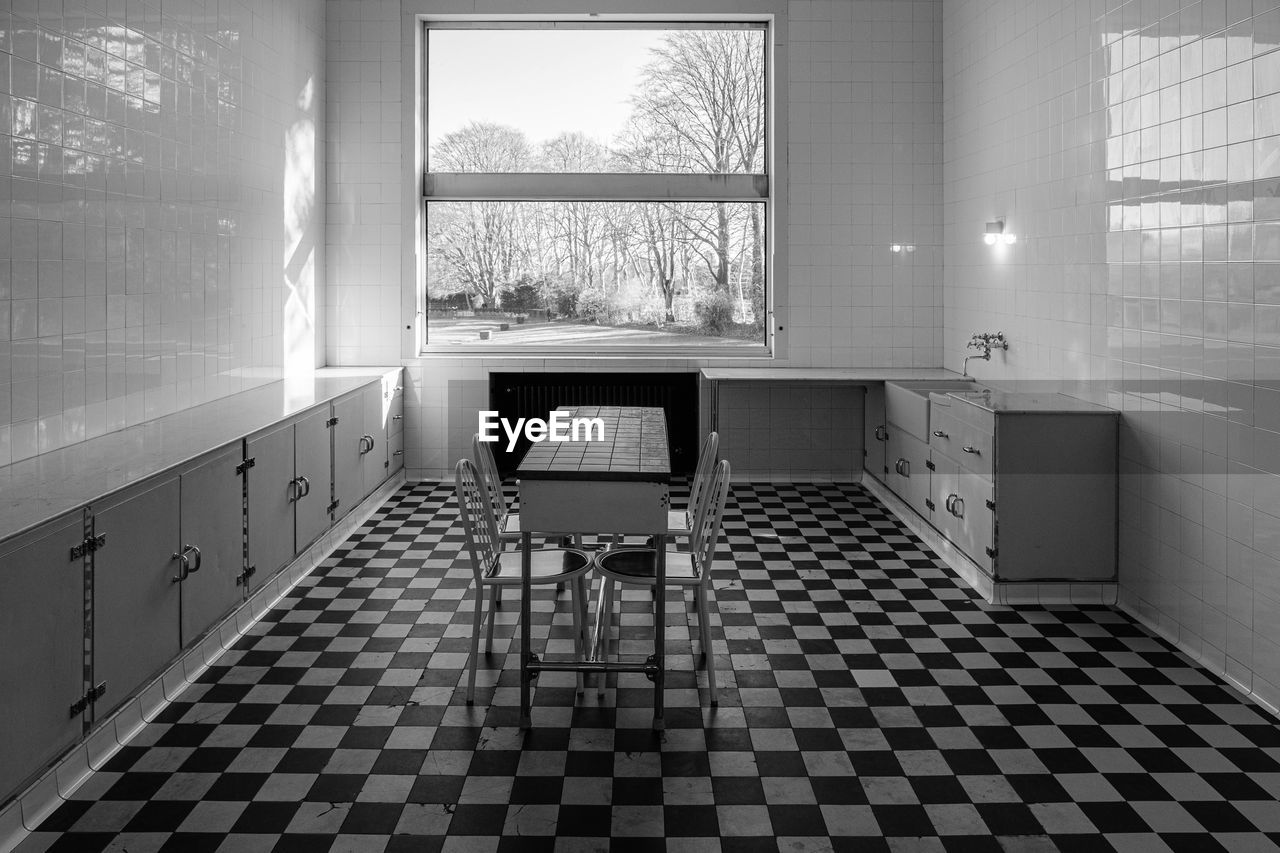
<point x="995" y="233"/>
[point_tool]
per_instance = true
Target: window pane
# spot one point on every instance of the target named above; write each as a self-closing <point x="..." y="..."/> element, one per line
<point x="596" y="273"/>
<point x="596" y="100"/>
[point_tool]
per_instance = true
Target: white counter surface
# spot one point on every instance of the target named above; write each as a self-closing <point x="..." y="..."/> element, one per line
<point x="826" y="374"/>
<point x="47" y="486"/>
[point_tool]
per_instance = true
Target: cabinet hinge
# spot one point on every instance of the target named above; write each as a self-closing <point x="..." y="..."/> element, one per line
<point x="991" y="504"/>
<point x="243" y="578"/>
<point x="331" y="507"/>
<point x="332" y="422"/>
<point x="95" y="693"/>
<point x="88" y="546"/>
<point x="246" y="465"/>
<point x="929" y="464"/>
<point x="929" y="504"/>
<point x="991" y="552"/>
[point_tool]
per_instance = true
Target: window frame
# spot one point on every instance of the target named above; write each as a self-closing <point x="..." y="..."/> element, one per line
<point x="765" y="188"/>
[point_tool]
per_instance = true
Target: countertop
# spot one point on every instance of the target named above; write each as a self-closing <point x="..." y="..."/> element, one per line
<point x="47" y="486"/>
<point x="1004" y="402"/>
<point x="827" y="374"/>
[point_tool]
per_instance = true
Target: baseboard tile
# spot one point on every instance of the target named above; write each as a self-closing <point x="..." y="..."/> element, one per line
<point x="60" y="782"/>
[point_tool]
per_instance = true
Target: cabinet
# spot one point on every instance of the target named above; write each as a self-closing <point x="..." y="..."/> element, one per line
<point x="1026" y="484"/>
<point x="348" y="453"/>
<point x="376" y="403"/>
<point x="395" y="438"/>
<point x="42" y="633"/>
<point x="211" y="530"/>
<point x="289" y="488"/>
<point x="136" y="597"/>
<point x="875" y="432"/>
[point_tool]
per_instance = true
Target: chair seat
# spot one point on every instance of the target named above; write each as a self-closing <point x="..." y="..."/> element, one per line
<point x="677" y="522"/>
<point x="548" y="565"/>
<point x="639" y="565"/>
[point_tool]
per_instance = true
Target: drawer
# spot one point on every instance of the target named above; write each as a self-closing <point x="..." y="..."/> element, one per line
<point x="967" y="443"/>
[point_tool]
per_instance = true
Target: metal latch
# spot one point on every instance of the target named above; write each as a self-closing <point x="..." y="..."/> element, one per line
<point x="991" y="504"/>
<point x="332" y="422"/>
<point x="88" y="546"/>
<point x="929" y="504"/>
<point x="991" y="552"/>
<point x="243" y="578"/>
<point x="246" y="465"/>
<point x="332" y="506"/>
<point x="929" y="464"/>
<point x="94" y="694"/>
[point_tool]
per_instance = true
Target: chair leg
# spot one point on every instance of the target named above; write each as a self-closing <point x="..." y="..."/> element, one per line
<point x="475" y="646"/>
<point x="705" y="623"/>
<point x="495" y="595"/>
<point x="605" y="607"/>
<point x="575" y="591"/>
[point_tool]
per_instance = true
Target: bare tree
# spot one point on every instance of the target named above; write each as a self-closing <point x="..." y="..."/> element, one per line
<point x="479" y="244"/>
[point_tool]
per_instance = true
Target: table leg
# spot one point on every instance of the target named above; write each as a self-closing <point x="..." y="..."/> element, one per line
<point x="660" y="634"/>
<point x="526" y="632"/>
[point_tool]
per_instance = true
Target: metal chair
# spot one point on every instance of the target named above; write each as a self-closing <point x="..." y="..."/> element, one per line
<point x="550" y="566"/>
<point x="685" y="569"/>
<point x="680" y="521"/>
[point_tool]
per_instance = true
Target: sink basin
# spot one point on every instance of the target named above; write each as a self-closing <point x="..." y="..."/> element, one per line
<point x="907" y="403"/>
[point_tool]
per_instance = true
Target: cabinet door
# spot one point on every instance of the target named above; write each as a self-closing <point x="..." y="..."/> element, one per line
<point x="874" y="436"/>
<point x="944" y="486"/>
<point x="909" y="475"/>
<point x="213" y="528"/>
<point x="42" y="638"/>
<point x="271" y="502"/>
<point x="975" y="529"/>
<point x="313" y="459"/>
<point x="395" y="424"/>
<point x="135" y="600"/>
<point x="373" y="457"/>
<point x="348" y="461"/>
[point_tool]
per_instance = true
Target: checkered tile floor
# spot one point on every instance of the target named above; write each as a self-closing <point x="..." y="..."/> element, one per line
<point x="868" y="702"/>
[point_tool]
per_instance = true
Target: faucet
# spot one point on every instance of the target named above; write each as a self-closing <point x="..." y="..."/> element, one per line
<point x="985" y="341"/>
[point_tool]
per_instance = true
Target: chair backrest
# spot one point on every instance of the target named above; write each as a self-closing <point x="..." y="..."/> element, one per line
<point x="478" y="522"/>
<point x="706" y="524"/>
<point x="706" y="464"/>
<point x="488" y="466"/>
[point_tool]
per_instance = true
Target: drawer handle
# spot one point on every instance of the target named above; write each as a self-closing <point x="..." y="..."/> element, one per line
<point x="969" y="448"/>
<point x="881" y="433"/>
<point x="399" y="387"/>
<point x="397" y="417"/>
<point x="940" y="434"/>
<point x="398" y="453"/>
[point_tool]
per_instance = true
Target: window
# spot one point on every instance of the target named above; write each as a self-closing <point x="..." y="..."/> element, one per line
<point x="596" y="187"/>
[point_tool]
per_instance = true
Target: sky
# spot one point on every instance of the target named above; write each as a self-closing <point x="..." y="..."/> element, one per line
<point x="544" y="82"/>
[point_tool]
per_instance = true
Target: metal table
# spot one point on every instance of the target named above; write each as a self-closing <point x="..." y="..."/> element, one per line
<point x="615" y="486"/>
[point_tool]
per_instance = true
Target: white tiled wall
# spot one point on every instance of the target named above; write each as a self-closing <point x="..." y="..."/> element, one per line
<point x="160" y="211"/>
<point x="864" y="161"/>
<point x="1133" y="148"/>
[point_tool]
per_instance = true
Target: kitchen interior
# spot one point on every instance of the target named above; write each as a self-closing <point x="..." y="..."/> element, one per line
<point x="997" y="565"/>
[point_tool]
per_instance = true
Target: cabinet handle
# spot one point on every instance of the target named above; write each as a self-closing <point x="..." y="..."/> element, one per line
<point x="366" y="438"/>
<point x="955" y="506"/>
<point x="881" y="433"/>
<point x="398" y="453"/>
<point x="969" y="448"/>
<point x="295" y="489"/>
<point x="947" y="502"/>
<point x="184" y="568"/>
<point x="397" y="417"/>
<point x="306" y="486"/>
<point x="199" y="556"/>
<point x="940" y="434"/>
<point x="399" y="388"/>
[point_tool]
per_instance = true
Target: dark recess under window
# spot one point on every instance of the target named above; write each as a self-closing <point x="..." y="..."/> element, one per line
<point x="534" y="395"/>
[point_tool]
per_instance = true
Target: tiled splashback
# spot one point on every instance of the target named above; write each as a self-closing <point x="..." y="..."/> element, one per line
<point x="863" y="108"/>
<point x="161" y="206"/>
<point x="1133" y="149"/>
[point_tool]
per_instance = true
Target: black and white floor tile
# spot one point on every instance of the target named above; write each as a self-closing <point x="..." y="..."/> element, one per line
<point x="869" y="701"/>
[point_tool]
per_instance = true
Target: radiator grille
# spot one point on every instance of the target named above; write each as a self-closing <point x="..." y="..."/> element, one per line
<point x="534" y="395"/>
